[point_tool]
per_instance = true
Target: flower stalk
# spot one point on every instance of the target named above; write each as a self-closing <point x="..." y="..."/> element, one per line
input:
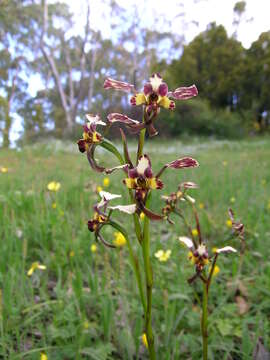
<point x="204" y="321"/>
<point x="149" y="286"/>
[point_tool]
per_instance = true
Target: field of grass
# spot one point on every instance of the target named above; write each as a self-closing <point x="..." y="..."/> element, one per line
<point x="85" y="304"/>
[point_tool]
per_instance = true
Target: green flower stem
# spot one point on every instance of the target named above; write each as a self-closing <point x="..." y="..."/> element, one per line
<point x="204" y="322"/>
<point x="134" y="261"/>
<point x="141" y="144"/>
<point x="141" y="141"/>
<point x="149" y="286"/>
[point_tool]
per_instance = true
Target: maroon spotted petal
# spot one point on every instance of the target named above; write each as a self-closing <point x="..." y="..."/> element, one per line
<point x="110" y="83"/>
<point x="163" y="89"/>
<point x="183" y="163"/>
<point x="184" y="93"/>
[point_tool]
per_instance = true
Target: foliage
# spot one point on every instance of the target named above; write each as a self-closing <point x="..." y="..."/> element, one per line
<point x="197" y="117"/>
<point x="214" y="61"/>
<point x="70" y="308"/>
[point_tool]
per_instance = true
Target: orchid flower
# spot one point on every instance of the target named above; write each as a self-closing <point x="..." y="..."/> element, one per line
<point x="154" y="96"/>
<point x="199" y="256"/>
<point x="142" y="179"/>
<point x="90" y="135"/>
<point x="100" y="209"/>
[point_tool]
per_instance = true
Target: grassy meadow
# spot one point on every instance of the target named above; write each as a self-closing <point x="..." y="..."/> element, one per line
<point x="85" y="304"/>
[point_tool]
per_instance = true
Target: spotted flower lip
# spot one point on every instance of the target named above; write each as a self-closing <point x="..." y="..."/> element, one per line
<point x="90" y="135"/>
<point x="141" y="177"/>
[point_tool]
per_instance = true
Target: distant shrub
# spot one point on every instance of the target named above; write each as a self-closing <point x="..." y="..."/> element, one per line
<point x="197" y="118"/>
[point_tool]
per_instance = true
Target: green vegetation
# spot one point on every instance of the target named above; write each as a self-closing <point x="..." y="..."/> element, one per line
<point x="85" y="304"/>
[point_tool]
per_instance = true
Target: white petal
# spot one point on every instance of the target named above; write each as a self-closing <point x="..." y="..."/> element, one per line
<point x="94" y="119"/>
<point x="187" y="241"/>
<point x="143" y="164"/>
<point x="128" y="209"/>
<point x="108" y="196"/>
<point x="155" y="81"/>
<point x="190" y="199"/>
<point x="226" y="249"/>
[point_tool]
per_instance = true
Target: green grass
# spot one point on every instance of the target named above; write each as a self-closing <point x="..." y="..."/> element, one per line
<point x="87" y="305"/>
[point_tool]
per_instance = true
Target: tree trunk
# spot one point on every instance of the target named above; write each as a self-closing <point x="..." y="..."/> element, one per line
<point x="6" y="131"/>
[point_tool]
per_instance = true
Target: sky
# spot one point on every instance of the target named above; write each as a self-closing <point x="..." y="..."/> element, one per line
<point x="198" y="14"/>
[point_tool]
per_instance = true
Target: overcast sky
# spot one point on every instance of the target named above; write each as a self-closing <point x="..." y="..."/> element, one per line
<point x="200" y="11"/>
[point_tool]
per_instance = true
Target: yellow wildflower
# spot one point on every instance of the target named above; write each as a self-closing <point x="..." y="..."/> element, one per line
<point x="119" y="239"/>
<point x="86" y="324"/>
<point x="214" y="250"/>
<point x="54" y="205"/>
<point x="232" y="199"/>
<point x="93" y="248"/>
<point x="229" y="223"/>
<point x="225" y="163"/>
<point x="144" y="340"/>
<point x="43" y="356"/>
<point x="72" y="253"/>
<point x="35" y="265"/>
<point x="99" y="189"/>
<point x="142" y="216"/>
<point x="162" y="255"/>
<point x="195" y="232"/>
<point x="53" y="186"/>
<point x="4" y="170"/>
<point x="216" y="270"/>
<point x="106" y="181"/>
<point x="263" y="181"/>
<point x="201" y="205"/>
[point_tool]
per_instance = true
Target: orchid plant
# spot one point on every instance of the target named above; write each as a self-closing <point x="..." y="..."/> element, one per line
<point x="140" y="181"/>
<point x="205" y="264"/>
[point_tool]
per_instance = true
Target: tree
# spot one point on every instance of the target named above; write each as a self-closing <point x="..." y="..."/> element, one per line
<point x="256" y="79"/>
<point x="213" y="61"/>
<point x="12" y="63"/>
